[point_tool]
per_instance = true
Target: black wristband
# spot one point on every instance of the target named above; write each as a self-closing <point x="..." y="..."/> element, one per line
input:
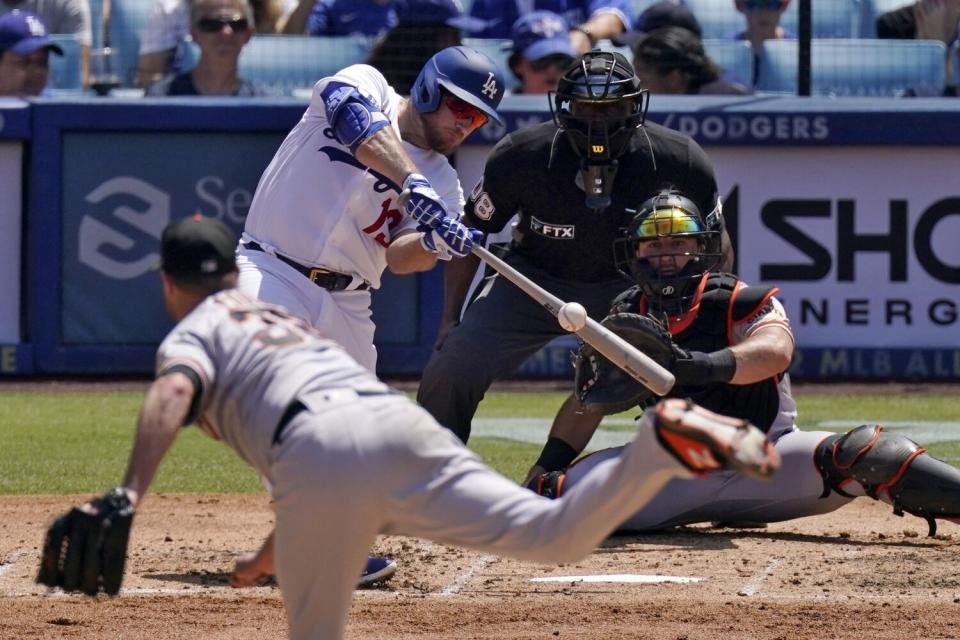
<point x="556" y="455"/>
<point x="723" y="365"/>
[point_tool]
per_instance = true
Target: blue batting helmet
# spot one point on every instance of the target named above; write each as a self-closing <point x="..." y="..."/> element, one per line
<point x="466" y="73"/>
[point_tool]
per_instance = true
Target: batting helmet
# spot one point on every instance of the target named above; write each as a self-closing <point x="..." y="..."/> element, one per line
<point x="668" y="214"/>
<point x="598" y="104"/>
<point x="466" y="73"/>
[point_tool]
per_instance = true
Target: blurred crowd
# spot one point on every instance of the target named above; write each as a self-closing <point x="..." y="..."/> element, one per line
<point x="193" y="47"/>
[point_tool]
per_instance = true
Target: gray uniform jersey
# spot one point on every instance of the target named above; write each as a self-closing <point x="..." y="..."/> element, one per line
<point x="252" y="360"/>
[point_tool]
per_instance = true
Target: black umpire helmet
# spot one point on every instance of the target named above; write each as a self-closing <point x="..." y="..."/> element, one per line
<point x="598" y="104"/>
<point x="668" y="214"/>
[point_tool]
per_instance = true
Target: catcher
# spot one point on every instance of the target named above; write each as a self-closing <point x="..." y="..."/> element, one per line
<point x="729" y="346"/>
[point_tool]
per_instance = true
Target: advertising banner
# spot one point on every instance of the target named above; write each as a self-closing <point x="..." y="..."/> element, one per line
<point x="11" y="213"/>
<point x="119" y="191"/>
<point x="862" y="243"/>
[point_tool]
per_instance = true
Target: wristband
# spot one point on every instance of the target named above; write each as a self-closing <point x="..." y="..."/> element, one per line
<point x="556" y="455"/>
<point x="723" y="365"/>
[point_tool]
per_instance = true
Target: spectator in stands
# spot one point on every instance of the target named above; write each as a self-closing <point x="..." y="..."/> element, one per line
<point x="424" y="27"/>
<point x="342" y="18"/>
<point x="925" y="20"/>
<point x="541" y="51"/>
<point x="61" y="17"/>
<point x="667" y="13"/>
<point x="593" y="19"/>
<point x="763" y="23"/>
<point x="24" y="54"/>
<point x="168" y="26"/>
<point x="671" y="60"/>
<point x="221" y="28"/>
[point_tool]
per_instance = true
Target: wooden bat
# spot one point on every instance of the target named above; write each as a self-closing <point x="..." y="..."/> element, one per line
<point x="614" y="348"/>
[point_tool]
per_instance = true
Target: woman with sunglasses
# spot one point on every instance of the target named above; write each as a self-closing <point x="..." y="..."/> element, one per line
<point x="220" y="28"/>
<point x="671" y="60"/>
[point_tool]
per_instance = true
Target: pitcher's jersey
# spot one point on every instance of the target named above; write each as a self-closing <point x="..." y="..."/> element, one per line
<point x="319" y="205"/>
<point x="253" y="359"/>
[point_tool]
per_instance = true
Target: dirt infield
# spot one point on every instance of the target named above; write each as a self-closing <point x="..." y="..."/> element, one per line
<point x="859" y="573"/>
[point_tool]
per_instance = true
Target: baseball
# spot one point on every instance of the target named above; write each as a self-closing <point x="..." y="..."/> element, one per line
<point x="572" y="316"/>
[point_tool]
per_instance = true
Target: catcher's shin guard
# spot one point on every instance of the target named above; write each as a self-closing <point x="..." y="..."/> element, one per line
<point x="881" y="461"/>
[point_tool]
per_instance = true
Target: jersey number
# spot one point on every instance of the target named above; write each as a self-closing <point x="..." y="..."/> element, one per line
<point x="280" y="330"/>
<point x="388" y="216"/>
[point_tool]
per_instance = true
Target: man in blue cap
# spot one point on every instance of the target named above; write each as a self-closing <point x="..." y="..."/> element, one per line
<point x="592" y="20"/>
<point x="541" y="51"/>
<point x="24" y="54"/>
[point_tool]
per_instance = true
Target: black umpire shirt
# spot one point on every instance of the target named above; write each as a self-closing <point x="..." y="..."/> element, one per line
<point x="559" y="233"/>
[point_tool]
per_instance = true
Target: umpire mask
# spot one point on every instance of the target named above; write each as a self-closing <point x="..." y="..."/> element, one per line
<point x="667" y="249"/>
<point x="598" y="105"/>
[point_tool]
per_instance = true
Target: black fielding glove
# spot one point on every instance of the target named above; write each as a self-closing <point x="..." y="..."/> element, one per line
<point x="696" y="368"/>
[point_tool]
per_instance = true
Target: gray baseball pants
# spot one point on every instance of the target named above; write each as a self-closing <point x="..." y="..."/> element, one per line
<point x="352" y="467"/>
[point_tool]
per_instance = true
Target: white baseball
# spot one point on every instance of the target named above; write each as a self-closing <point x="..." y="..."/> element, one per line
<point x="572" y="316"/>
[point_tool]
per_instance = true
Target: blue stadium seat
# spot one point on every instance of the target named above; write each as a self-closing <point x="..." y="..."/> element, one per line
<point x="65" y="69"/>
<point x="870" y="10"/>
<point x="831" y="18"/>
<point x="285" y="63"/>
<point x="128" y="17"/>
<point x="498" y="49"/>
<point x="735" y="57"/>
<point x="855" y="67"/>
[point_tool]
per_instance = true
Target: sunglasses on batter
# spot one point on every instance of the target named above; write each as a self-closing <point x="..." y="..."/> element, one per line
<point x="216" y="25"/>
<point x="770" y="5"/>
<point x="463" y="110"/>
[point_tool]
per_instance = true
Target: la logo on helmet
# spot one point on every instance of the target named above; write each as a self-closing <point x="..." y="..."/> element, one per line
<point x="490" y="86"/>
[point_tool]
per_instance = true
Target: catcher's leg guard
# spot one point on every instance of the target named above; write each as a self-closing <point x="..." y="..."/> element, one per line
<point x="880" y="461"/>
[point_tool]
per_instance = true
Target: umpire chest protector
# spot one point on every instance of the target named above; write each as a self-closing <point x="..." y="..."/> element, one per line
<point x="708" y="326"/>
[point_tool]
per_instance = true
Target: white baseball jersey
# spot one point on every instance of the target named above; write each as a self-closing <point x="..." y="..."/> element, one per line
<point x="320" y="206"/>
<point x="240" y="349"/>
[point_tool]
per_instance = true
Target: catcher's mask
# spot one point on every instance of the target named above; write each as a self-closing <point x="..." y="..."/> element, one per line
<point x="667" y="274"/>
<point x="598" y="104"/>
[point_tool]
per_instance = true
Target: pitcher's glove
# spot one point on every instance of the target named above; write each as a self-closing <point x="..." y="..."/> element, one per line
<point x="605" y="388"/>
<point x="86" y="548"/>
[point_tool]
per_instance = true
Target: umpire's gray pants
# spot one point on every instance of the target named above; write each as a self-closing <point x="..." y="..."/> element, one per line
<point x="501" y="328"/>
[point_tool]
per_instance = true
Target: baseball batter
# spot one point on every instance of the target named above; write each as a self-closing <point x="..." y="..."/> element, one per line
<point x="347" y="457"/>
<point x="360" y="184"/>
<point x="729" y="346"/>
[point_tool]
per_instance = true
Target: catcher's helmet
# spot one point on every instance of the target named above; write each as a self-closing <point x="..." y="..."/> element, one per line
<point x="598" y="104"/>
<point x="668" y="214"/>
<point x="466" y="73"/>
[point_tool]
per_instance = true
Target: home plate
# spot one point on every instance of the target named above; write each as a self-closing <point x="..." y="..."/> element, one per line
<point x="622" y="577"/>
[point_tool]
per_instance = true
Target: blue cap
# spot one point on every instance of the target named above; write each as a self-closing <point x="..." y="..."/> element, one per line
<point x="432" y="12"/>
<point x="540" y="34"/>
<point x="22" y="33"/>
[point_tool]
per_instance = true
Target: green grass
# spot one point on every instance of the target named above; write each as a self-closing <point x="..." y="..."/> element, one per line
<point x="56" y="443"/>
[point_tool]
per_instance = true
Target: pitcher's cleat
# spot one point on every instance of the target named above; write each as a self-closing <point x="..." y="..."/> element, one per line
<point x="376" y="570"/>
<point x="705" y="441"/>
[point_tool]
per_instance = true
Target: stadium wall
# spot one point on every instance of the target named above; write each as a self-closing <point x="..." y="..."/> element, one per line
<point x="851" y="206"/>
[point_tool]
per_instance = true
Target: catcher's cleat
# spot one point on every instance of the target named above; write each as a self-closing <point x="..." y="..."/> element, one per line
<point x="377" y="570"/>
<point x="706" y="441"/>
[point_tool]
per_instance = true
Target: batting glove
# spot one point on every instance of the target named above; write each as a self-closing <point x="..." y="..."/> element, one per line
<point x="421" y="202"/>
<point x="450" y="239"/>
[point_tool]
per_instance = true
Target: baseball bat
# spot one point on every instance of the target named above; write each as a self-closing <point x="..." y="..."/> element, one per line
<point x="614" y="348"/>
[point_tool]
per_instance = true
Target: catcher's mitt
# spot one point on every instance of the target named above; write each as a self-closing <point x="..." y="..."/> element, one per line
<point x="605" y="388"/>
<point x="86" y="548"/>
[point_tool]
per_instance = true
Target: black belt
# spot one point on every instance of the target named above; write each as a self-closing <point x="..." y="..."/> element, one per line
<point x="295" y="407"/>
<point x="329" y="280"/>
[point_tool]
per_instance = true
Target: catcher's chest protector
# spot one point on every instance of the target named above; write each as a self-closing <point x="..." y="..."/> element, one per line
<point x="719" y="309"/>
